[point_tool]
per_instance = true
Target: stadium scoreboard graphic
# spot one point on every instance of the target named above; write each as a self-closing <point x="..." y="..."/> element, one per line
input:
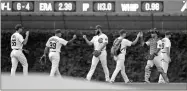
<point x="118" y="6"/>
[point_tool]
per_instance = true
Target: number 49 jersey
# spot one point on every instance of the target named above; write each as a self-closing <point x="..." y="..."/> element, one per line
<point x="55" y="43"/>
<point x="17" y="41"/>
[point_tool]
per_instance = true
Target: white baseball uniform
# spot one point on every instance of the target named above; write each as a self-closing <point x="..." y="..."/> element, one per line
<point x="17" y="55"/>
<point x="55" y="43"/>
<point x="120" y="59"/>
<point x="165" y="59"/>
<point x="98" y="41"/>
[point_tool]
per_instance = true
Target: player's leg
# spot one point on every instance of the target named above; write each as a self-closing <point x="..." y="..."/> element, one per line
<point x="52" y="72"/>
<point x="95" y="61"/>
<point x="148" y="70"/>
<point x="58" y="60"/>
<point x="165" y="68"/>
<point x="158" y="64"/>
<point x="165" y="64"/>
<point x="116" y="71"/>
<point x="119" y="61"/>
<point x="160" y="57"/>
<point x="14" y="63"/>
<point x="58" y="72"/>
<point x="22" y="59"/>
<point x="103" y="58"/>
<point x="123" y="73"/>
<point x="54" y="57"/>
<point x="161" y="80"/>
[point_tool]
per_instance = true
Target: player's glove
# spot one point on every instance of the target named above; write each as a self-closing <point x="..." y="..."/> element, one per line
<point x="96" y="53"/>
<point x="43" y="60"/>
<point x="151" y="56"/>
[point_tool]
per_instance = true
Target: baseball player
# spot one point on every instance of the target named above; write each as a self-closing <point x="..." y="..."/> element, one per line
<point x="53" y="46"/>
<point x="154" y="49"/>
<point x="120" y="58"/>
<point x="17" y="55"/>
<point x="100" y="40"/>
<point x="164" y="54"/>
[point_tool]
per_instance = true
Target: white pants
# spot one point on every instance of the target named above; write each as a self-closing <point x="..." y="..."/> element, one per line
<point x="95" y="60"/>
<point x="54" y="57"/>
<point x="18" y="56"/>
<point x="160" y="61"/>
<point x="120" y="66"/>
<point x="164" y="63"/>
<point x="150" y="63"/>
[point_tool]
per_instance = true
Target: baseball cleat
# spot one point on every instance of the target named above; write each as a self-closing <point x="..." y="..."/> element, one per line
<point x="147" y="81"/>
<point x="87" y="79"/>
<point x="111" y="81"/>
<point x="130" y="81"/>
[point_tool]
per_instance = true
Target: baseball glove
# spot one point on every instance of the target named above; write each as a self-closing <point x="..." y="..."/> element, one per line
<point x="151" y="56"/>
<point x="42" y="60"/>
<point x="96" y="53"/>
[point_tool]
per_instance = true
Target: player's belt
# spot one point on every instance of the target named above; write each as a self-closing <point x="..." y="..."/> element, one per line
<point x="163" y="52"/>
<point x="54" y="51"/>
<point x="103" y="50"/>
<point x="16" y="49"/>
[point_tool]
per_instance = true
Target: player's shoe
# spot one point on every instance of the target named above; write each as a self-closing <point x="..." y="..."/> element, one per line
<point x="161" y="82"/>
<point x="111" y="81"/>
<point x="146" y="81"/>
<point x="167" y="81"/>
<point x="130" y="81"/>
<point x="87" y="80"/>
<point x="107" y="80"/>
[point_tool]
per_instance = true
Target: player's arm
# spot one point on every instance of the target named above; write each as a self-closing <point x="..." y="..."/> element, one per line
<point x="26" y="38"/>
<point x="142" y="40"/>
<point x="168" y="51"/>
<point x="159" y="47"/>
<point x="46" y="51"/>
<point x="87" y="41"/>
<point x="105" y="42"/>
<point x="168" y="45"/>
<point x="136" y="40"/>
<point x="71" y="41"/>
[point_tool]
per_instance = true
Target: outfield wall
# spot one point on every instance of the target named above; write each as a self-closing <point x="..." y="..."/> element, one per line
<point x="88" y="22"/>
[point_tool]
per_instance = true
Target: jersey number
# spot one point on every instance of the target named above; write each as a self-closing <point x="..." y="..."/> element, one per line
<point x="13" y="43"/>
<point x="53" y="45"/>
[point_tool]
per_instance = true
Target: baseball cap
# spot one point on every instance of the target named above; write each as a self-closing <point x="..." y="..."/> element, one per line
<point x="98" y="27"/>
<point x="18" y="26"/>
<point x="57" y="31"/>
